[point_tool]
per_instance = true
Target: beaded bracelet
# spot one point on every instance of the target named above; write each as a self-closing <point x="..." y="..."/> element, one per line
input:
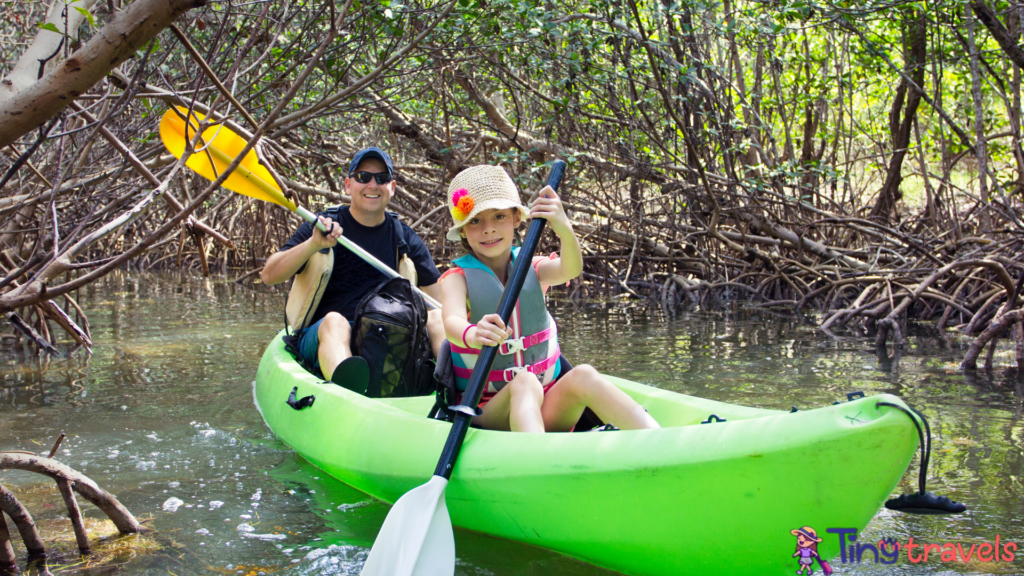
<point x="466" y="331"/>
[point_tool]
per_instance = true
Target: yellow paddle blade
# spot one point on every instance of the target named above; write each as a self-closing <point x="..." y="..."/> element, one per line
<point x="218" y="148"/>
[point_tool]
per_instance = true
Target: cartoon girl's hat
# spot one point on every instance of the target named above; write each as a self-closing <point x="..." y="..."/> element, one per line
<point x="806" y="531"/>
<point x="477" y="189"/>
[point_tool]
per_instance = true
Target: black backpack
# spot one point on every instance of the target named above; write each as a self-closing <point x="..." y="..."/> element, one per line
<point x="390" y="333"/>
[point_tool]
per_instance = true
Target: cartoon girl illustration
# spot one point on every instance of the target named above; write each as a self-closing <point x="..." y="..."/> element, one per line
<point x="807" y="549"/>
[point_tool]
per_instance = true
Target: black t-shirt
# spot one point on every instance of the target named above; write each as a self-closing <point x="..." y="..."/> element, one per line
<point x="352" y="278"/>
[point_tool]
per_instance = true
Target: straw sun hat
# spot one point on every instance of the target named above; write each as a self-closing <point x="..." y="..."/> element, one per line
<point x="477" y="189"/>
<point x="808" y="532"/>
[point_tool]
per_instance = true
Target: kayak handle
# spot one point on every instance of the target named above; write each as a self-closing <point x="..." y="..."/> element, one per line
<point x="301" y="403"/>
<point x="851" y="396"/>
<point x="712" y="419"/>
<point x="922" y="502"/>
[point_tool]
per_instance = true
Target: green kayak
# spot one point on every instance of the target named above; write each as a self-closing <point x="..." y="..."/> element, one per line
<point x="690" y="498"/>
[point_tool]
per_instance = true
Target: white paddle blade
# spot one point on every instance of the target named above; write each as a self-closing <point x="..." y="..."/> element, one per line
<point x="437" y="555"/>
<point x="416" y="538"/>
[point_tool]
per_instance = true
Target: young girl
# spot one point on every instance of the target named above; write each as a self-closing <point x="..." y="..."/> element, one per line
<point x="525" y="392"/>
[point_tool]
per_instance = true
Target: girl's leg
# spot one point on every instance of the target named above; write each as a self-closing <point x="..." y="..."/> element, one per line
<point x="515" y="407"/>
<point x="583" y="386"/>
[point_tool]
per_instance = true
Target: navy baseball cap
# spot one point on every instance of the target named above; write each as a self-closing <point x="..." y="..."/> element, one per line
<point x="371" y="152"/>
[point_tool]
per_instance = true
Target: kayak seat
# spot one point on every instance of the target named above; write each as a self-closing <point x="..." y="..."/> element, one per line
<point x="444" y="379"/>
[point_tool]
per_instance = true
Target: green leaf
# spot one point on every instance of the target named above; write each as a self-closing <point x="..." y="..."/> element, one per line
<point x="51" y="27"/>
<point x="87" y="14"/>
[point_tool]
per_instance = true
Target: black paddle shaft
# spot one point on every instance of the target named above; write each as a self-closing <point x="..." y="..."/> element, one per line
<point x="509" y="296"/>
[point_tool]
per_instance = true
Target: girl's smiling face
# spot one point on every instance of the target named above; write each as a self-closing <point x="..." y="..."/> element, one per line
<point x="490" y="232"/>
<point x="803" y="541"/>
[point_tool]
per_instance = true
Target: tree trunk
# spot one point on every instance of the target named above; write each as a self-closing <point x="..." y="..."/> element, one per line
<point x="981" y="145"/>
<point x="126" y="32"/>
<point x="749" y="157"/>
<point x="44" y="53"/>
<point x="900" y="125"/>
<point x="1006" y="40"/>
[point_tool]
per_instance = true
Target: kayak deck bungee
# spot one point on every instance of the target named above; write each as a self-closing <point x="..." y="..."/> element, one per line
<point x="686" y="499"/>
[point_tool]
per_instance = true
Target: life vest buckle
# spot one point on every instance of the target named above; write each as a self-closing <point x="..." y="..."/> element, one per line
<point x="512" y="346"/>
<point x="509" y="373"/>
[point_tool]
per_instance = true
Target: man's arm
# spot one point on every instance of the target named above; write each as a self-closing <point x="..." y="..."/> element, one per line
<point x="284" y="264"/>
<point x="434" y="290"/>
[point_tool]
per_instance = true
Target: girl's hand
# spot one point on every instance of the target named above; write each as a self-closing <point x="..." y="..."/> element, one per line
<point x="549" y="207"/>
<point x="490" y="331"/>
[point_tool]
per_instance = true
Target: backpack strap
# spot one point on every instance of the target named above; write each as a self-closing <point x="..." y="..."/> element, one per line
<point x="403" y="264"/>
<point x="402" y="248"/>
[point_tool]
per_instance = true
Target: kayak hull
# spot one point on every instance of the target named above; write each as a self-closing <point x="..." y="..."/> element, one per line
<point x="686" y="499"/>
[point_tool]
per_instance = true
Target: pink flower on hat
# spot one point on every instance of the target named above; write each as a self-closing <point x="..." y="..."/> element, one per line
<point x="480" y="188"/>
<point x="462" y="204"/>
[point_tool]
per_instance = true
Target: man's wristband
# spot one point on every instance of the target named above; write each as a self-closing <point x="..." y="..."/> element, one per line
<point x="466" y="331"/>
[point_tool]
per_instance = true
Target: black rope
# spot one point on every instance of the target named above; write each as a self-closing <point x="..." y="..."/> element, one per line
<point x="923" y="502"/>
<point x="926" y="450"/>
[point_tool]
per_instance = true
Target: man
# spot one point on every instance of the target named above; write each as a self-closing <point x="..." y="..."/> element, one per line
<point x="326" y="343"/>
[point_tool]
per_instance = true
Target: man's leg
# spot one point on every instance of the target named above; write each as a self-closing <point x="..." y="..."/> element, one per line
<point x="335" y="335"/>
<point x="435" y="330"/>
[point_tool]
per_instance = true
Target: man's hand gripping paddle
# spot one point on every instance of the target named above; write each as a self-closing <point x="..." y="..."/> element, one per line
<point x="416" y="538"/>
<point x="219" y="147"/>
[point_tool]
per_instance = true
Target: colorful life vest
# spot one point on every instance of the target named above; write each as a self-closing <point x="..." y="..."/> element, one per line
<point x="533" y="345"/>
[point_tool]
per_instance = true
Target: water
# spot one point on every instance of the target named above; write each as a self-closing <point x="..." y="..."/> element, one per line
<point x="161" y="415"/>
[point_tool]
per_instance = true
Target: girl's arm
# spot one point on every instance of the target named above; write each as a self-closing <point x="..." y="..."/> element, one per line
<point x="489" y="331"/>
<point x="570" y="263"/>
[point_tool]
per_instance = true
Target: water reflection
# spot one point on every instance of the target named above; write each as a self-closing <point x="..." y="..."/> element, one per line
<point x="161" y="414"/>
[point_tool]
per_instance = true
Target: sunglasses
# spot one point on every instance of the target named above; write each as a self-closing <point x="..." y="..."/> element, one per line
<point x="364" y="177"/>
